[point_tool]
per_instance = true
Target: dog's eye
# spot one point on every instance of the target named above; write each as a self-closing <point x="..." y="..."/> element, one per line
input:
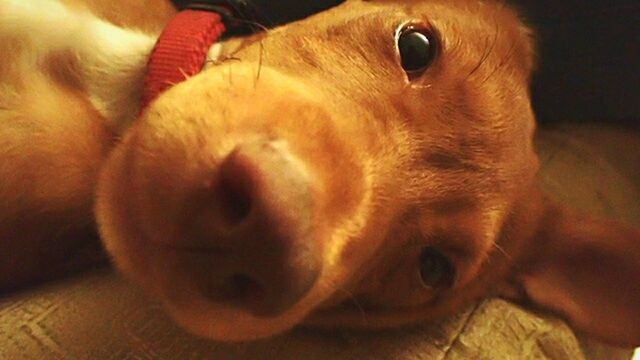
<point x="417" y="49"/>
<point x="436" y="270"/>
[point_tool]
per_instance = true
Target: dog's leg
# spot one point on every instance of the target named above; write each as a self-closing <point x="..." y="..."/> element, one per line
<point x="68" y="83"/>
<point x="52" y="142"/>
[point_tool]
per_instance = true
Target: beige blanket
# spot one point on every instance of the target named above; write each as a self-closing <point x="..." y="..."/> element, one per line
<point x="100" y="316"/>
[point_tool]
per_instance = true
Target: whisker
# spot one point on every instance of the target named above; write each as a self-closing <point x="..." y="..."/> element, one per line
<point x="502" y="250"/>
<point x="483" y="58"/>
<point x="502" y="63"/>
<point x="354" y="300"/>
<point x="252" y="23"/>
<point x="222" y="60"/>
<point x="230" y="76"/>
<point x="260" y="59"/>
<point x="184" y="74"/>
<point x="488" y="49"/>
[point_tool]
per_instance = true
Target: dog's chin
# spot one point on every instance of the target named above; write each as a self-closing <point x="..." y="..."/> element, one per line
<point x="213" y="321"/>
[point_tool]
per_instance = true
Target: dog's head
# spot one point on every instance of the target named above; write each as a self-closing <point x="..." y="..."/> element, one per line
<point x="374" y="158"/>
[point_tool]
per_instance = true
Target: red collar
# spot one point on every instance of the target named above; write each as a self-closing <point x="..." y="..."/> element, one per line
<point x="181" y="51"/>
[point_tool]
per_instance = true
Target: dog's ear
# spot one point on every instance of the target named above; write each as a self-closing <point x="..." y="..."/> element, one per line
<point x="587" y="270"/>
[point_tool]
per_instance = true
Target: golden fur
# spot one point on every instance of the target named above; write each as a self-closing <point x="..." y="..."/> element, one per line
<point x="444" y="160"/>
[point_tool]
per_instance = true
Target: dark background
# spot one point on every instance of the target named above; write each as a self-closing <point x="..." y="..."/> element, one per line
<point x="589" y="54"/>
<point x="589" y="59"/>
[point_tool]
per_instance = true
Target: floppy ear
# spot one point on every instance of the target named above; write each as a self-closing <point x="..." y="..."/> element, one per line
<point x="586" y="270"/>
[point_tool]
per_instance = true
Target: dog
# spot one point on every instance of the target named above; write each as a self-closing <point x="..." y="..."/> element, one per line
<point x="374" y="158"/>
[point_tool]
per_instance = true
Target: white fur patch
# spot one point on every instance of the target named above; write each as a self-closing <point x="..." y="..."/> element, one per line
<point x="214" y="54"/>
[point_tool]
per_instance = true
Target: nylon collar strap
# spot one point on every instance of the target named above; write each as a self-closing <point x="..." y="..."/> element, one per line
<point x="182" y="48"/>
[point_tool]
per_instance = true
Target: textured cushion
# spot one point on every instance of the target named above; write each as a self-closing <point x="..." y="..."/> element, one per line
<point x="101" y="316"/>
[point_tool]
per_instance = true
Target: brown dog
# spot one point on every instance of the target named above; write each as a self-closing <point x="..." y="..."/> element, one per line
<point x="306" y="170"/>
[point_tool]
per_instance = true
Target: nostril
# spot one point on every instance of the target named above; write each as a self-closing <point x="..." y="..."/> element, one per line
<point x="243" y="287"/>
<point x="236" y="187"/>
<point x="235" y="201"/>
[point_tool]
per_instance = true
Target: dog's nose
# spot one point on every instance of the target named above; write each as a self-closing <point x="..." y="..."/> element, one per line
<point x="264" y="230"/>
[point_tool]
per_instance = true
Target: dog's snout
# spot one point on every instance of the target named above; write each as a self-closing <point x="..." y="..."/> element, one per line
<point x="264" y="209"/>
